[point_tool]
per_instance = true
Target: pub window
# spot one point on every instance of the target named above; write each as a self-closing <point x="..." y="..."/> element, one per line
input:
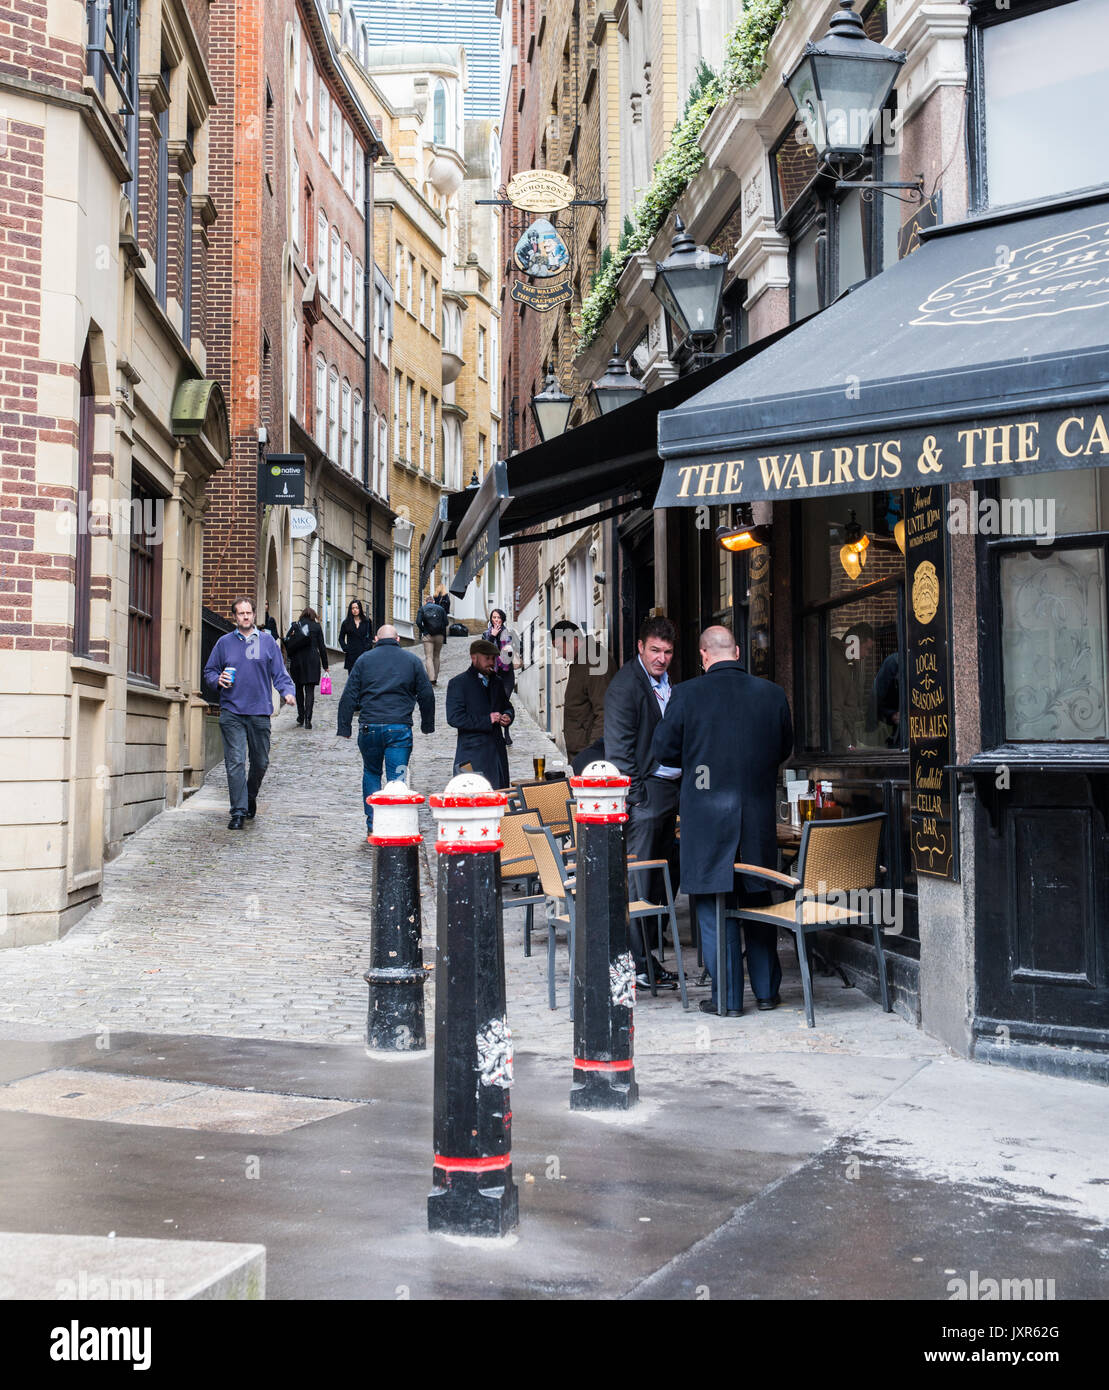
<point x="1047" y="560"/>
<point x="144" y="598"/>
<point x="83" y="575"/>
<point x="1038" y="76"/>
<point x="850" y="695"/>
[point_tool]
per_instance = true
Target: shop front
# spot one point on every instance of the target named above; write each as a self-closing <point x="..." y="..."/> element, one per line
<point x="933" y="447"/>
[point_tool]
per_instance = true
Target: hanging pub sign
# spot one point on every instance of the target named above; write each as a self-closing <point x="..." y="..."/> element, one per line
<point x="543" y="297"/>
<point x="541" y="252"/>
<point x="932" y="808"/>
<point x="538" y="190"/>
<point x="281" y="480"/>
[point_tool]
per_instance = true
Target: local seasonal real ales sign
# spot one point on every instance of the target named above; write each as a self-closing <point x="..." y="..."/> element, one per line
<point x="928" y="684"/>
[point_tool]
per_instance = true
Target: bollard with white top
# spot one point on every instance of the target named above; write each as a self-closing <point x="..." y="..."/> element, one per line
<point x="604" y="969"/>
<point x="396" y="975"/>
<point x="472" y="1188"/>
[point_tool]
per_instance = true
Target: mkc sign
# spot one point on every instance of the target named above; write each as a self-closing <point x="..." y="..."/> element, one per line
<point x="964" y="451"/>
<point x="281" y="481"/>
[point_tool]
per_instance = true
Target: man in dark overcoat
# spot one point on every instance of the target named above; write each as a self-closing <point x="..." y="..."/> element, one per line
<point x="729" y="732"/>
<point x="478" y="708"/>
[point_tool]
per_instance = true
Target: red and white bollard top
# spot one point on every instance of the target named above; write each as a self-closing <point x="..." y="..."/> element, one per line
<point x="600" y="793"/>
<point x="396" y="815"/>
<point x="469" y="816"/>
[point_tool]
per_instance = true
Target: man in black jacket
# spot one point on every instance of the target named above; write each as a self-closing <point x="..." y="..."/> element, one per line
<point x="431" y="624"/>
<point x="478" y="708"/>
<point x="635" y="704"/>
<point x="384" y="686"/>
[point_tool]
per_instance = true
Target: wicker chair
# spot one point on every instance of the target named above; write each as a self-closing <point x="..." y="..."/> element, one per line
<point x="557" y="882"/>
<point x="836" y="857"/>
<point x="551" y="800"/>
<point x="519" y="869"/>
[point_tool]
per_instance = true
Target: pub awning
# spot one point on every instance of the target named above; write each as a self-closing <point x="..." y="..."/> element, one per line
<point x="609" y="457"/>
<point x="984" y="353"/>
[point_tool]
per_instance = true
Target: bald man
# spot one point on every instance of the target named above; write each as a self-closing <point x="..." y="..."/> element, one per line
<point x="384" y="686"/>
<point x="729" y="732"/>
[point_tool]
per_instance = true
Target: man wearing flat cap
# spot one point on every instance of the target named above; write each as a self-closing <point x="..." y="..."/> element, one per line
<point x="478" y="707"/>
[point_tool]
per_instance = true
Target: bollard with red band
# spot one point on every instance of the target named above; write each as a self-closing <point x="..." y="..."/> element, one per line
<point x="604" y="970"/>
<point x="472" y="1188"/>
<point x="396" y="975"/>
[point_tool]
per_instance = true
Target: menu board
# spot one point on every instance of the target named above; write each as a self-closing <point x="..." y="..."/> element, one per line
<point x="932" y="829"/>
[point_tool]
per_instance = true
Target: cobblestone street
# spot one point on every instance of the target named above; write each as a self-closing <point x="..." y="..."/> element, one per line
<point x="264" y="933"/>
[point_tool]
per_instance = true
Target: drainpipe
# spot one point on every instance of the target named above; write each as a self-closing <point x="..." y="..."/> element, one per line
<point x="368" y="315"/>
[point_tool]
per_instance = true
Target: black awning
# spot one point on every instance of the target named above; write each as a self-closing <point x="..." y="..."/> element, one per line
<point x="615" y="454"/>
<point x="984" y="353"/>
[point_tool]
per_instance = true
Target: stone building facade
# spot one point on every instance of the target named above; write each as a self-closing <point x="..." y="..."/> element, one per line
<point x="112" y="428"/>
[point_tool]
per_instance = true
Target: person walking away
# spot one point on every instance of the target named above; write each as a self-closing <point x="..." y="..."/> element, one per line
<point x="635" y="703"/>
<point x="431" y="624"/>
<point x="583" y="704"/>
<point x="443" y="599"/>
<point x="730" y="732"/>
<point x="478" y="707"/>
<point x="246" y="667"/>
<point x="498" y="633"/>
<point x="355" y="636"/>
<point x="270" y="625"/>
<point x="384" y="686"/>
<point x="307" y="657"/>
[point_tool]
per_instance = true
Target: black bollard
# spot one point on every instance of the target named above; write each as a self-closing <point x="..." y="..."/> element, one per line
<point x="396" y="975"/>
<point x="472" y="1189"/>
<point x="604" y="969"/>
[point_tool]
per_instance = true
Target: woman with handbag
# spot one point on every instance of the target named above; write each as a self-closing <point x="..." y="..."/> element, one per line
<point x="504" y="639"/>
<point x="307" y="655"/>
<point x="355" y="636"/>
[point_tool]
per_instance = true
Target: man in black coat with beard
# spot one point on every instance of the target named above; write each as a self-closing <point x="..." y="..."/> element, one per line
<point x="729" y="732"/>
<point x="478" y="708"/>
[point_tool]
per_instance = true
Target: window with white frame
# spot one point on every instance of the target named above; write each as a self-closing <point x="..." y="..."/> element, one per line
<point x="295" y="210"/>
<point x="402" y="572"/>
<point x="296" y="58"/>
<point x="382" y="485"/>
<point x="396" y="413"/>
<point x="321" y="402"/>
<point x="359" y="299"/>
<point x="356" y="432"/>
<point x="336" y="139"/>
<point x="431" y="436"/>
<point x="398" y="273"/>
<point x="408" y="420"/>
<point x="325" y="106"/>
<point x="360" y="178"/>
<point x="495" y="438"/>
<point x="321" y="251"/>
<point x="433" y="314"/>
<point x="493" y="346"/>
<point x="344" y="427"/>
<point x="423" y="294"/>
<point x="423" y="429"/>
<point x="309" y="85"/>
<point x="348" y="285"/>
<point x="333" y="415"/>
<point x="334" y="596"/>
<point x="411" y="282"/>
<point x="481" y="456"/>
<point x="336" y="267"/>
<point x="348" y="159"/>
<point x="481" y="353"/>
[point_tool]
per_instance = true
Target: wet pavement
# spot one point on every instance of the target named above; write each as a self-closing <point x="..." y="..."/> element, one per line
<point x="189" y="1064"/>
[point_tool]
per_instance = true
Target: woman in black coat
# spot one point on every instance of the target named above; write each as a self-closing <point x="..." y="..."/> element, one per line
<point x="307" y="655"/>
<point x="355" y="636"/>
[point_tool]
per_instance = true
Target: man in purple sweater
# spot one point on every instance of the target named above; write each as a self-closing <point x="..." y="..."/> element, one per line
<point x="246" y="703"/>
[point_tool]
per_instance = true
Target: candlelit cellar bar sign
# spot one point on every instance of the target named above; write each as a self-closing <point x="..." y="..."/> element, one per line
<point x="932" y="829"/>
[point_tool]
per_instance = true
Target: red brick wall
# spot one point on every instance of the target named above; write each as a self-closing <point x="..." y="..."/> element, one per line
<point x="21" y="427"/>
<point x="26" y="50"/>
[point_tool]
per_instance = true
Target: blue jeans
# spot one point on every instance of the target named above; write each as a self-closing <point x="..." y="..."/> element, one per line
<point x="761" y="941"/>
<point x="390" y="744"/>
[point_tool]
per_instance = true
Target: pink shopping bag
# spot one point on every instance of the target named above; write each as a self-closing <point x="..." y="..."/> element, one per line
<point x="325" y="684"/>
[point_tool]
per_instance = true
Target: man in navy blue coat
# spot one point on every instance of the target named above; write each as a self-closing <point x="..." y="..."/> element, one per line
<point x="478" y="708"/>
<point x="729" y="732"/>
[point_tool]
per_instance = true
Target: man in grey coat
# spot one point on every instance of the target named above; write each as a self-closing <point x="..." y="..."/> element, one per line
<point x="729" y="732"/>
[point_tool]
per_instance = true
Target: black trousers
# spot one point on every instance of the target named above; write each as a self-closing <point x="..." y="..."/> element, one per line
<point x="306" y="700"/>
<point x="650" y="835"/>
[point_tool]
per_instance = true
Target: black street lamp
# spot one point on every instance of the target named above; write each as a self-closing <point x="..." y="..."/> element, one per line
<point x="617" y="387"/>
<point x="688" y="285"/>
<point x="551" y="409"/>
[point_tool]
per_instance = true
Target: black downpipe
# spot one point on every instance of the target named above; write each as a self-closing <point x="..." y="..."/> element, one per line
<point x="367" y="323"/>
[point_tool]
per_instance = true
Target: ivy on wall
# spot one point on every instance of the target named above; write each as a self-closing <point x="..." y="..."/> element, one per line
<point x="744" y="65"/>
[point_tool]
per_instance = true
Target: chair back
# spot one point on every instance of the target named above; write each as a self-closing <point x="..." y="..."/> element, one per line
<point x="516" y="844"/>
<point x="552" y="871"/>
<point x="838" y="856"/>
<point x="551" y="800"/>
